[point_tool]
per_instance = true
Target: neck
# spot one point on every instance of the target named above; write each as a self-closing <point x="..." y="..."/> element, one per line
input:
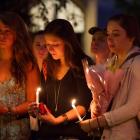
<point x="62" y="70"/>
<point x="39" y="62"/>
<point x="122" y="56"/>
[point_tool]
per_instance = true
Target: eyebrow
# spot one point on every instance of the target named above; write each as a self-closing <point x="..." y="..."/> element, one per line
<point x="116" y="30"/>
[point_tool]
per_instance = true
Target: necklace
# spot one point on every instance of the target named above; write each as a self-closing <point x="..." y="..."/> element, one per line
<point x="56" y="95"/>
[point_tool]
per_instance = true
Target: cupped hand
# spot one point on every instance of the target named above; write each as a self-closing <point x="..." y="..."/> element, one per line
<point x="33" y="110"/>
<point x="49" y="118"/>
<point x="86" y="126"/>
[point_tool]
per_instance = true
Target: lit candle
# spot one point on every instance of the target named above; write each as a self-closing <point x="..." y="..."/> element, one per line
<point x="37" y="95"/>
<point x="74" y="107"/>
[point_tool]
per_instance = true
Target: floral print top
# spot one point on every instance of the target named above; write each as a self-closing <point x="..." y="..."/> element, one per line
<point x="13" y="127"/>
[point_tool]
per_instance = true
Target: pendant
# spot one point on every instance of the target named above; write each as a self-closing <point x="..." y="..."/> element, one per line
<point x="56" y="109"/>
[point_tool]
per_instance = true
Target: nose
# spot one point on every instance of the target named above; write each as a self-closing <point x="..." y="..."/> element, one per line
<point x="50" y="48"/>
<point x="94" y="43"/>
<point x="109" y="37"/>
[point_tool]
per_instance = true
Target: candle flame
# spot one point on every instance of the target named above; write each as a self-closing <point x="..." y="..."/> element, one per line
<point x="37" y="94"/>
<point x="73" y="102"/>
<point x="38" y="89"/>
<point x="74" y="107"/>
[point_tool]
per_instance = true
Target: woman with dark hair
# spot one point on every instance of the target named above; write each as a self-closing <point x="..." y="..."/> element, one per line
<point x="120" y="122"/>
<point x="65" y="81"/>
<point x="18" y="77"/>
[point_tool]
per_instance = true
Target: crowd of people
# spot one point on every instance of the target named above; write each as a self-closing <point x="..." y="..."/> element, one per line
<point x="104" y="86"/>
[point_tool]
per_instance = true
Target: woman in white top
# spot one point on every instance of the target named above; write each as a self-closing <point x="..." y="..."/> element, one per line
<point x="119" y="122"/>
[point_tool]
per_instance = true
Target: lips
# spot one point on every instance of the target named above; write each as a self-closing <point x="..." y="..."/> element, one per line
<point x="42" y="54"/>
<point x="111" y="46"/>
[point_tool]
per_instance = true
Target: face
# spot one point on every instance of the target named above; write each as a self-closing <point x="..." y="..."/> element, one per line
<point x="55" y="46"/>
<point x="117" y="39"/>
<point x="39" y="47"/>
<point x="99" y="43"/>
<point x="7" y="37"/>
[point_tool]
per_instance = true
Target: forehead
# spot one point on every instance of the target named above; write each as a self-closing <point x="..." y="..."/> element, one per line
<point x="39" y="38"/>
<point x="2" y="25"/>
<point x="114" y="26"/>
<point x="99" y="34"/>
<point x="52" y="38"/>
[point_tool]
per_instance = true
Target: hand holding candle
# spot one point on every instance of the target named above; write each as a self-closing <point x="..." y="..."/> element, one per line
<point x="74" y="107"/>
<point x="34" y="121"/>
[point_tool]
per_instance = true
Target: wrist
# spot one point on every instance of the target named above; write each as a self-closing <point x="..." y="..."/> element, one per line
<point x="65" y="118"/>
<point x="93" y="123"/>
<point x="12" y="112"/>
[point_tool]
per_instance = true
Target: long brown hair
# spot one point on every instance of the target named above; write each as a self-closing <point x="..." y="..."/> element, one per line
<point x="73" y="52"/>
<point x="22" y="54"/>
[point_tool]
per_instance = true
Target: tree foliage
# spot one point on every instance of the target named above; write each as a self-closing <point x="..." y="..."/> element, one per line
<point x="129" y="6"/>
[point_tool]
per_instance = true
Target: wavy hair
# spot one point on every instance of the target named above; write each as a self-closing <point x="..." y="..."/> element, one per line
<point x="22" y="54"/>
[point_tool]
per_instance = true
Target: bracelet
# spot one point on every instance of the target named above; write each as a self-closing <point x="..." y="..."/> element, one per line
<point x="98" y="123"/>
<point x="11" y="113"/>
<point x="90" y="124"/>
<point x="99" y="126"/>
<point x="66" y="117"/>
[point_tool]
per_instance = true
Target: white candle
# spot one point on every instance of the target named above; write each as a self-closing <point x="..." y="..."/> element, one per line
<point x="74" y="107"/>
<point x="37" y="95"/>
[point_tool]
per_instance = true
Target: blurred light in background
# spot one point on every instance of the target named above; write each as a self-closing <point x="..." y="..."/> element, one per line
<point x="47" y="10"/>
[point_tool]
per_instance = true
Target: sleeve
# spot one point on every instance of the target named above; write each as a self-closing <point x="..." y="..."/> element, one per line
<point x="131" y="108"/>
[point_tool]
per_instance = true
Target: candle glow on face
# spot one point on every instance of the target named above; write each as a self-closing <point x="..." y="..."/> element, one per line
<point x="74" y="107"/>
<point x="37" y="95"/>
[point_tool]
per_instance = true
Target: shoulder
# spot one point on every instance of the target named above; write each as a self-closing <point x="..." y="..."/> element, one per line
<point x="136" y="65"/>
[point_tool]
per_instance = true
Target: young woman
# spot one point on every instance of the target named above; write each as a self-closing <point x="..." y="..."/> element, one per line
<point x="65" y="81"/>
<point x="120" y="122"/>
<point x="18" y="77"/>
<point x="39" y="48"/>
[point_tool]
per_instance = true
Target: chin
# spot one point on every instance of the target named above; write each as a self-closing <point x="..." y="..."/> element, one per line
<point x="55" y="58"/>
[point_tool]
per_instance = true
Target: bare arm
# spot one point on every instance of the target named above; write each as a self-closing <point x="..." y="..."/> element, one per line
<point x="31" y="84"/>
<point x="68" y="116"/>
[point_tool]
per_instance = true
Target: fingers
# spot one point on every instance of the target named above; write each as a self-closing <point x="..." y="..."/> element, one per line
<point x="43" y="109"/>
<point x="33" y="109"/>
<point x="85" y="126"/>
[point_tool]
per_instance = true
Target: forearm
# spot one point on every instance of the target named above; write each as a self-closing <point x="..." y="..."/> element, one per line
<point x="122" y="114"/>
<point x="20" y="109"/>
<point x="99" y="122"/>
<point x="3" y="110"/>
<point x="71" y="115"/>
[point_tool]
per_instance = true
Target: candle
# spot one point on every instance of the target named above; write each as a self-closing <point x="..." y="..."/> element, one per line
<point x="37" y="95"/>
<point x="74" y="107"/>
